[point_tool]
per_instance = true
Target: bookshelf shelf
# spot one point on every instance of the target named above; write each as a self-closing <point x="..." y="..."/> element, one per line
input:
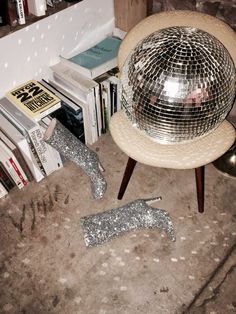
<point x="30" y="19"/>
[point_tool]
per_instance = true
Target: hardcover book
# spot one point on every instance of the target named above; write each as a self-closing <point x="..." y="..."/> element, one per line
<point x="34" y="99"/>
<point x="96" y="60"/>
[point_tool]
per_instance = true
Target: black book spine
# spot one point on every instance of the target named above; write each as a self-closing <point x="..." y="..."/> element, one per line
<point x="3" y="12"/>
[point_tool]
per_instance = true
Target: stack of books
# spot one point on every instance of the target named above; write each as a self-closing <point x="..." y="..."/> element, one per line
<point x="24" y="156"/>
<point x="91" y="80"/>
<point x="82" y="96"/>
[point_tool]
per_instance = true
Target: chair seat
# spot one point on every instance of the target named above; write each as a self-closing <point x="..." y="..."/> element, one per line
<point x="142" y="148"/>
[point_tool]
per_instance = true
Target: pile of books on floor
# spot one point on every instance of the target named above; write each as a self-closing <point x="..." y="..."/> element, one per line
<point x="81" y="96"/>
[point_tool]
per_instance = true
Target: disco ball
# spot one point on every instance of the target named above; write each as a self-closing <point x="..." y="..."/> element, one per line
<point x="178" y="84"/>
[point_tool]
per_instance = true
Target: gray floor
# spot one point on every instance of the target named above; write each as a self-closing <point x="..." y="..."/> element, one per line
<point x="46" y="268"/>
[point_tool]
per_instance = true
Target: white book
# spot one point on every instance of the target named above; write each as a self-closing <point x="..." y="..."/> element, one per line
<point x="12" y="166"/>
<point x="84" y="106"/>
<point x="83" y="87"/>
<point x="3" y="191"/>
<point x="36" y="7"/>
<point x="32" y="129"/>
<point x="21" y="142"/>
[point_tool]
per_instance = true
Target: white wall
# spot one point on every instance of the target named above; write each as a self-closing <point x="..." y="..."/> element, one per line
<point x="29" y="52"/>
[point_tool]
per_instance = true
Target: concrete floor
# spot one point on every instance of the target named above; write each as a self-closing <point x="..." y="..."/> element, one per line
<point x="46" y="268"/>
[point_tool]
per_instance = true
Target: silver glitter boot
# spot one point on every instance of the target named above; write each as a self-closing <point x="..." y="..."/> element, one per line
<point x="102" y="227"/>
<point x="68" y="145"/>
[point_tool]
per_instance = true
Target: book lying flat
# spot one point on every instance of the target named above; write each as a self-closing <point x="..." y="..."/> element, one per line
<point x="96" y="60"/>
<point x="33" y="99"/>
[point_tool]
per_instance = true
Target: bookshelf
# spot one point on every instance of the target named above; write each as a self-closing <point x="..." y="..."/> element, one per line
<point x="28" y="52"/>
<point x="7" y="29"/>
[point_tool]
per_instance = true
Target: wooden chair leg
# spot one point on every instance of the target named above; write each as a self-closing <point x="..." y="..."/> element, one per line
<point x="126" y="177"/>
<point x="200" y="178"/>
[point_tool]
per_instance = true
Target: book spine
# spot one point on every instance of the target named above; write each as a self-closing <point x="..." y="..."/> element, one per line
<point x="26" y="9"/>
<point x="3" y="191"/>
<point x="19" y="172"/>
<point x="98" y="109"/>
<point x="30" y="155"/>
<point x="54" y="154"/>
<point x="115" y="87"/>
<point x="5" y="179"/>
<point x="107" y="102"/>
<point x="11" y="13"/>
<point x="20" y="12"/>
<point x="103" y="104"/>
<point x="36" y="137"/>
<point x="3" y="12"/>
<point x="12" y="165"/>
<point x="93" y="115"/>
<point x="23" y="164"/>
<point x="12" y="173"/>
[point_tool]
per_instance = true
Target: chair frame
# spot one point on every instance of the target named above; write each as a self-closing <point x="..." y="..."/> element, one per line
<point x="199" y="176"/>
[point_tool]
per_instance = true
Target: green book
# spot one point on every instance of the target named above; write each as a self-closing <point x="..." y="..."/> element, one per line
<point x="96" y="60"/>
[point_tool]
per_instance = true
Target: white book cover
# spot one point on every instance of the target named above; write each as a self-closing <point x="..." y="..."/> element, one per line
<point x="3" y="191"/>
<point x="12" y="166"/>
<point x="33" y="130"/>
<point x="20" y="141"/>
<point x="86" y="114"/>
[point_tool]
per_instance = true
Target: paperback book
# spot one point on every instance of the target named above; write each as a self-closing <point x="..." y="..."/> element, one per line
<point x="33" y="99"/>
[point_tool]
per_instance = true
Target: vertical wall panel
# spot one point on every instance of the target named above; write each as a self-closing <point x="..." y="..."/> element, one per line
<point x="28" y="53"/>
